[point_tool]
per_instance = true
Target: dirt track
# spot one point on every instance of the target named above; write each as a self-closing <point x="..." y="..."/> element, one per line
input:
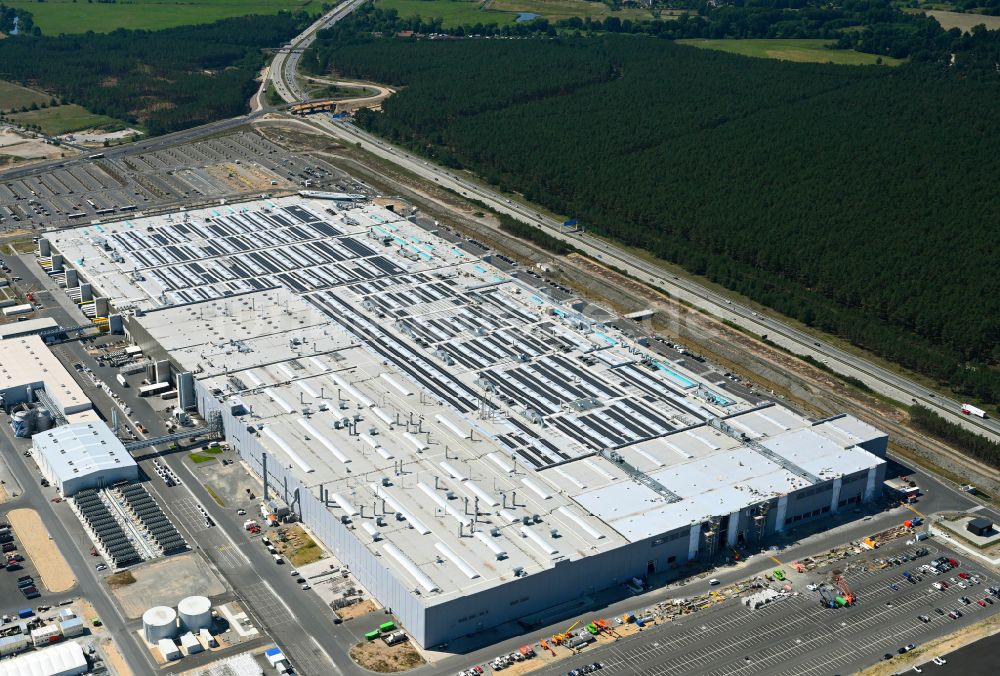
<point x="34" y="536"/>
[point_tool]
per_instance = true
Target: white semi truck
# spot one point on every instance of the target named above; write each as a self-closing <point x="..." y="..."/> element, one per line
<point x="969" y="409"/>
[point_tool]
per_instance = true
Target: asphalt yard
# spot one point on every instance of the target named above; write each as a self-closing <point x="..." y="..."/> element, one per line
<point x="797" y="636"/>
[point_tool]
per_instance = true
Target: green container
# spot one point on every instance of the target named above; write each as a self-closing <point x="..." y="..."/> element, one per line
<point x="592" y="628"/>
<point x="372" y="635"/>
<point x="840" y="601"/>
<point x="386" y="627"/>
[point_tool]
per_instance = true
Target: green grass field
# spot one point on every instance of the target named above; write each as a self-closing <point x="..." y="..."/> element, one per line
<point x="813" y="51"/>
<point x="65" y="16"/>
<point x="63" y="119"/>
<point x="451" y="12"/>
<point x="14" y="96"/>
<point x="505" y="12"/>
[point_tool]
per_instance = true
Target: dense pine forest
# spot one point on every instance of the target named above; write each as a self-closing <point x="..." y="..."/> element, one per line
<point x="165" y="80"/>
<point x="859" y="200"/>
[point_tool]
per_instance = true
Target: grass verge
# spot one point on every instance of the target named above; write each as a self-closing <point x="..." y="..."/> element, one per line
<point x="215" y="496"/>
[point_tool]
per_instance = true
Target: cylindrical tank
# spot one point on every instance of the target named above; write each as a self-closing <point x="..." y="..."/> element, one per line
<point x="195" y="613"/>
<point x="43" y="420"/>
<point x="159" y="622"/>
<point x="21" y="424"/>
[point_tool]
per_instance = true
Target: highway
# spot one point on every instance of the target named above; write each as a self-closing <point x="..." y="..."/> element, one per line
<point x="879" y="379"/>
<point x="286" y="62"/>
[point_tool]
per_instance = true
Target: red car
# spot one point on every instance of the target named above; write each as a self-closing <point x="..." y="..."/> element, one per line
<point x="953" y="562"/>
<point x="964" y="576"/>
<point x="981" y="602"/>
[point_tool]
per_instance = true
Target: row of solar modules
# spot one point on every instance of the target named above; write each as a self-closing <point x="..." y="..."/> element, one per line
<point x="427" y="374"/>
<point x="397" y="296"/>
<point x="106" y="529"/>
<point x="217" y="235"/>
<point x="152" y="518"/>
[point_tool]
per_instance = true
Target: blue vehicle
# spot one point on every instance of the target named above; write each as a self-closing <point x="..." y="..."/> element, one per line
<point x="893" y="586"/>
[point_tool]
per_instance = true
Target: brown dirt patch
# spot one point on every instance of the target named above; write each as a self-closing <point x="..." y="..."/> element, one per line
<point x="357" y="610"/>
<point x="299" y="547"/>
<point x="52" y="567"/>
<point x="3" y="494"/>
<point x="121" y="579"/>
<point x="384" y="659"/>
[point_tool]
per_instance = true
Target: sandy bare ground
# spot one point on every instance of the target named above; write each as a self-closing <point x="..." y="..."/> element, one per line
<point x="357" y="610"/>
<point x="379" y="657"/>
<point x="52" y="567"/>
<point x="3" y="494"/>
<point x="165" y="581"/>
<point x="15" y="145"/>
<point x="113" y="658"/>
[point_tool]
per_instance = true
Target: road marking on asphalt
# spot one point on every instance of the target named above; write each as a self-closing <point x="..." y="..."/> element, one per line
<point x="913" y="509"/>
<point x="775" y="559"/>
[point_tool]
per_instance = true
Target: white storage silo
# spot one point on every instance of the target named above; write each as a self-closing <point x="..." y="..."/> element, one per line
<point x="159" y="622"/>
<point x="43" y="420"/>
<point x="195" y="613"/>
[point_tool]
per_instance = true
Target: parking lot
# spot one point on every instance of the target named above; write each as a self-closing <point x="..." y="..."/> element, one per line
<point x="102" y="188"/>
<point x="797" y="636"/>
<point x="14" y="596"/>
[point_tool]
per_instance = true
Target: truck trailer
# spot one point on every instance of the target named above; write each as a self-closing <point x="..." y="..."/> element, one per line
<point x="969" y="409"/>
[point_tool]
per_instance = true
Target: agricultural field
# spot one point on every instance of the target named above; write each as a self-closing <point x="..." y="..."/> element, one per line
<point x="65" y="16"/>
<point x="810" y="51"/>
<point x="13" y="97"/>
<point x="564" y="9"/>
<point x="451" y="12"/>
<point x="63" y="119"/>
<point x="963" y="21"/>
<point x="505" y="12"/>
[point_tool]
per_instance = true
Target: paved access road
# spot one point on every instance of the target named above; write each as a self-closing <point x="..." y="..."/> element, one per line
<point x="800" y="342"/>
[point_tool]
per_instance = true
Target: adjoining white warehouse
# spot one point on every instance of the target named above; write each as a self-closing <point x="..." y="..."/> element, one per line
<point x="30" y="373"/>
<point x="83" y="455"/>
<point x="64" y="659"/>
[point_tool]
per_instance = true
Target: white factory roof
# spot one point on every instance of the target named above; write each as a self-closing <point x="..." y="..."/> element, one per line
<point x="26" y="360"/>
<point x="79" y="449"/>
<point x="468" y="385"/>
<point x="715" y="474"/>
<point x="62" y="658"/>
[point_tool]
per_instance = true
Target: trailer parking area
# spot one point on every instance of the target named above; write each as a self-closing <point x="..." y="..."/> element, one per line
<point x="796" y="636"/>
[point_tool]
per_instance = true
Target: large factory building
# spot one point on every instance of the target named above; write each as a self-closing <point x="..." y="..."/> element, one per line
<point x="463" y="436"/>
